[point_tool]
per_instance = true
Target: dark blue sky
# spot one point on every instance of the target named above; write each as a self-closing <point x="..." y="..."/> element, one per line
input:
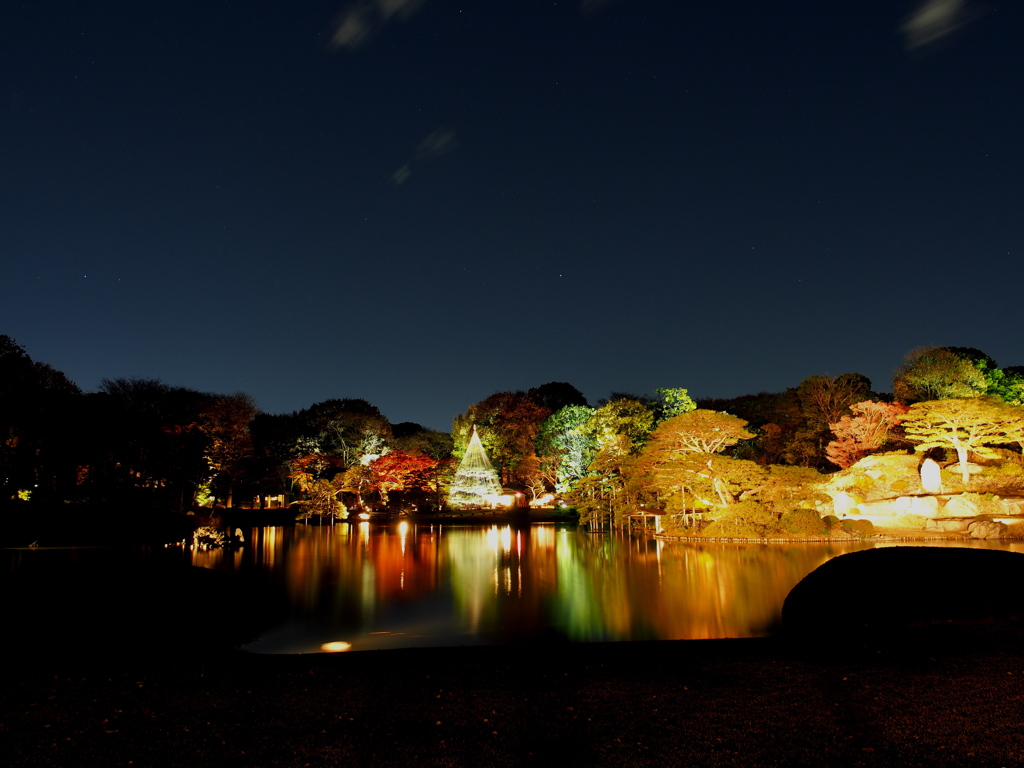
<point x="422" y="202"/>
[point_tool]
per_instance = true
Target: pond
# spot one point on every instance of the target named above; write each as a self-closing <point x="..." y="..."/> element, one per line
<point x="363" y="588"/>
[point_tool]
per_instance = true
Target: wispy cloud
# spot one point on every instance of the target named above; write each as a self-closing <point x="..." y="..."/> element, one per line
<point x="933" y="20"/>
<point x="361" y="20"/>
<point x="438" y="143"/>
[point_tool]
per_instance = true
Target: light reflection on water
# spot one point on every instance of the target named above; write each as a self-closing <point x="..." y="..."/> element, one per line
<point x="406" y="585"/>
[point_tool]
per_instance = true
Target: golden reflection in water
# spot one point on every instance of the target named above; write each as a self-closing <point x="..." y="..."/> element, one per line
<point x="456" y="582"/>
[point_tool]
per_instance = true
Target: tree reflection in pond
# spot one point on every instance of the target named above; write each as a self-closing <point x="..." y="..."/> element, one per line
<point x="405" y="586"/>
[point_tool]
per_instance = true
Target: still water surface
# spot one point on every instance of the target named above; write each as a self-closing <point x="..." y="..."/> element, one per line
<point x="404" y="586"/>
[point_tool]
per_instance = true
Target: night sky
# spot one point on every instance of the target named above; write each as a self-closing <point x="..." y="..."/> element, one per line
<point x="421" y="202"/>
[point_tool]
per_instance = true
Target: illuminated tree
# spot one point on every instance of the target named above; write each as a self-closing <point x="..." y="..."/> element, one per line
<point x="620" y="416"/>
<point x="563" y="450"/>
<point x="613" y="486"/>
<point x="673" y="402"/>
<point x="305" y="470"/>
<point x="351" y="429"/>
<point x="680" y="460"/>
<point x="475" y="479"/>
<point x="933" y="373"/>
<point x="536" y="476"/>
<point x="863" y="433"/>
<point x="401" y="471"/>
<point x="778" y="419"/>
<point x="414" y="439"/>
<point x="826" y="399"/>
<point x="507" y="424"/>
<point x="699" y="431"/>
<point x="360" y="480"/>
<point x="702" y="480"/>
<point x="966" y="425"/>
<point x="225" y="421"/>
<point x="1005" y="383"/>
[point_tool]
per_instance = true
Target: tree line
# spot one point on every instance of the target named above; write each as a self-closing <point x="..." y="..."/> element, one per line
<point x="141" y="443"/>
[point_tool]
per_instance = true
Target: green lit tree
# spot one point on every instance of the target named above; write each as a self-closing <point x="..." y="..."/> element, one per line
<point x="934" y="373"/>
<point x="673" y="402"/>
<point x="562" y="448"/>
<point x="627" y="416"/>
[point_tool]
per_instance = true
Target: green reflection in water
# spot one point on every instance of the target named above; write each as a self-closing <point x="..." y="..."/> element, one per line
<point x="407" y="586"/>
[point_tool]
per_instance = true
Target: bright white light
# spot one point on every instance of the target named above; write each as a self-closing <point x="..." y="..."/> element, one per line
<point x="336" y="646"/>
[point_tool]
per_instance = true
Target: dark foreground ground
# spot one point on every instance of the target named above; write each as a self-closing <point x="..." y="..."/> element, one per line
<point x="926" y="693"/>
<point x="946" y="696"/>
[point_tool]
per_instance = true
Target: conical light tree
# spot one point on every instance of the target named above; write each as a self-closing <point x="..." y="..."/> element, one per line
<point x="476" y="481"/>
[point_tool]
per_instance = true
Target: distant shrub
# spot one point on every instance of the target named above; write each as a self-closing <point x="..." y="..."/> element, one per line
<point x="861" y="528"/>
<point x="746" y="520"/>
<point x="831" y="521"/>
<point x="803" y="522"/>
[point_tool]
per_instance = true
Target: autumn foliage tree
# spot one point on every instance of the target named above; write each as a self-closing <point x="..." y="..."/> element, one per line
<point x="863" y="433"/>
<point x="319" y="478"/>
<point x="508" y="424"/>
<point x="401" y="471"/>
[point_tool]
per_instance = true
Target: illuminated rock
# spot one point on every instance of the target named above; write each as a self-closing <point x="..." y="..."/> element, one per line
<point x="958" y="506"/>
<point x="948" y="524"/>
<point x="843" y="504"/>
<point x="986" y="529"/>
<point x="931" y="477"/>
<point x="1013" y="506"/>
<point x="926" y="506"/>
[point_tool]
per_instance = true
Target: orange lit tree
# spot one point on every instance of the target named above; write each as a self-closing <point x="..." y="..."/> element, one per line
<point x="863" y="433"/>
<point x="401" y="471"/>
